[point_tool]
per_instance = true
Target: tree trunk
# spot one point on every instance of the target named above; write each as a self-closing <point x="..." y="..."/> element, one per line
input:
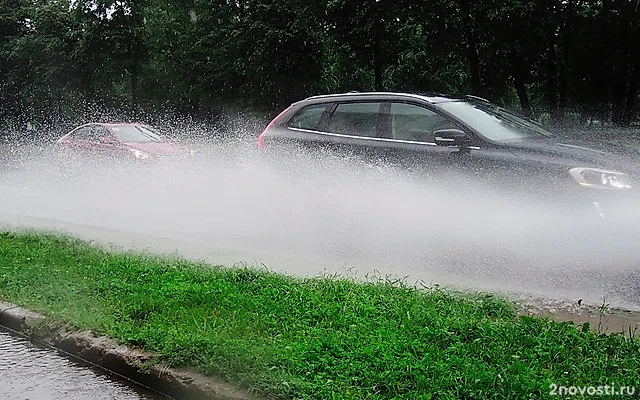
<point x="136" y="24"/>
<point x="564" y="86"/>
<point x="377" y="50"/>
<point x="474" y="66"/>
<point x="135" y="72"/>
<point x="524" y="98"/>
<point x="552" y="82"/>
<point x="632" y="97"/>
<point x="472" y="47"/>
<point x="618" y="95"/>
<point x="519" y="84"/>
<point x="567" y="41"/>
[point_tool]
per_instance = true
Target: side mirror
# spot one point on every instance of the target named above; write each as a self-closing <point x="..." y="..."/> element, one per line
<point x="451" y="137"/>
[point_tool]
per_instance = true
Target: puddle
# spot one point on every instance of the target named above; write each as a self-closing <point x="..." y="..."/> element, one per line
<point x="28" y="371"/>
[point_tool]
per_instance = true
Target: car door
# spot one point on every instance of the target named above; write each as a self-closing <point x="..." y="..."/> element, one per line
<point x="91" y="141"/>
<point x="412" y="132"/>
<point x="356" y="129"/>
<point x="343" y="128"/>
<point x="305" y="129"/>
<point x="79" y="140"/>
<point x="104" y="143"/>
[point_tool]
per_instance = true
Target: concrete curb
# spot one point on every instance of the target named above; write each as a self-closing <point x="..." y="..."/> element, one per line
<point x="125" y="361"/>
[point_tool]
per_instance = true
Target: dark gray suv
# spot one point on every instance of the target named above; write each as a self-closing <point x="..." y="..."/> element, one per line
<point x="468" y="136"/>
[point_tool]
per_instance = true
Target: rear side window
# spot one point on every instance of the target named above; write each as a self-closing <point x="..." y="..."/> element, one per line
<point x="84" y="133"/>
<point x="357" y="119"/>
<point x="309" y="117"/>
<point x="100" y="132"/>
<point x="91" y="133"/>
<point x="415" y="123"/>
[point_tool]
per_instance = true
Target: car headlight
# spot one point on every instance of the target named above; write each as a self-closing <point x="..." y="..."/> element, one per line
<point x="139" y="155"/>
<point x="600" y="179"/>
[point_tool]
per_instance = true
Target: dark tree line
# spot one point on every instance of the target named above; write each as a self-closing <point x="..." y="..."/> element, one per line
<point x="561" y="59"/>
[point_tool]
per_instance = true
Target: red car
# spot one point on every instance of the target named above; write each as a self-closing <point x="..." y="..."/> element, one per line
<point x="120" y="141"/>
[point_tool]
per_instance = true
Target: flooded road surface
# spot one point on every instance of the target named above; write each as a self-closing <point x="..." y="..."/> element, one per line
<point x="36" y="373"/>
<point x="306" y="215"/>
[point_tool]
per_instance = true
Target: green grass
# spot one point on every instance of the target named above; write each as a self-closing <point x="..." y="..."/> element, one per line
<point x="320" y="338"/>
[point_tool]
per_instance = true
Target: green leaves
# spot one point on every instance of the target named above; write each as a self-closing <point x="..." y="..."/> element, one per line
<point x="60" y="58"/>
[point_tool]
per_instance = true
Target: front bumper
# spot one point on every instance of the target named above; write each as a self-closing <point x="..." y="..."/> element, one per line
<point x="618" y="207"/>
<point x="608" y="221"/>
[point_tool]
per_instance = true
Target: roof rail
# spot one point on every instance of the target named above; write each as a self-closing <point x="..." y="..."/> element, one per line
<point x="477" y="98"/>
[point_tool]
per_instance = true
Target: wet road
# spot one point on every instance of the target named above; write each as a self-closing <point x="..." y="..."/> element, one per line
<point x="37" y="373"/>
<point x="322" y="216"/>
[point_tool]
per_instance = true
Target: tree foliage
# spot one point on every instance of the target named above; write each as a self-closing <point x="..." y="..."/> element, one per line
<point x="564" y="58"/>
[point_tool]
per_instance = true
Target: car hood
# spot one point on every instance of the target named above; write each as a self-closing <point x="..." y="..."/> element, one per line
<point x="159" y="148"/>
<point x="579" y="153"/>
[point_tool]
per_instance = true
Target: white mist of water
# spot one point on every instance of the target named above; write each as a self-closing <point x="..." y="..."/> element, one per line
<point x="310" y="214"/>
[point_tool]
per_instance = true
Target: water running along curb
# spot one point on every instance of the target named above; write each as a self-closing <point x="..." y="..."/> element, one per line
<point x="119" y="359"/>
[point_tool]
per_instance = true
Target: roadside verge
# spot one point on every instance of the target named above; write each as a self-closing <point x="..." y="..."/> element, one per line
<point x="125" y="361"/>
<point x="299" y="338"/>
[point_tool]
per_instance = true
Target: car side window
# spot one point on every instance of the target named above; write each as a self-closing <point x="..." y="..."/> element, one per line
<point x="84" y="133"/>
<point x="99" y="133"/>
<point x="309" y="117"/>
<point x="357" y="119"/>
<point x="416" y="123"/>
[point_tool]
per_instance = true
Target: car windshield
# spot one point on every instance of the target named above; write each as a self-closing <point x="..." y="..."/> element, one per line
<point x="137" y="134"/>
<point x="493" y="122"/>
